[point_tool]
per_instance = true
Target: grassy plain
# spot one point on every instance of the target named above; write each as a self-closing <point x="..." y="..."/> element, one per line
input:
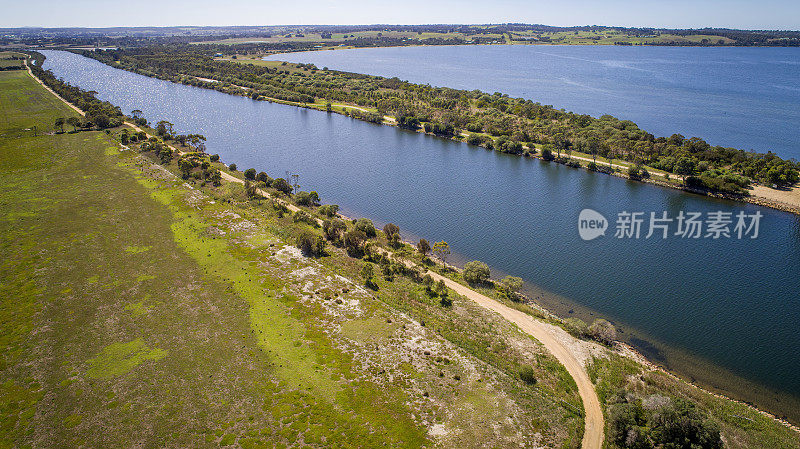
<point x="600" y="37"/>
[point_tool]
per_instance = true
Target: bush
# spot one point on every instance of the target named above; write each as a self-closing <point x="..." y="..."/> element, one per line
<point x="214" y="157"/>
<point x="310" y="243"/>
<point x="576" y="327"/>
<point x="303" y="217"/>
<point x="367" y="273"/>
<point x="307" y="198"/>
<point x="329" y="210"/>
<point x="547" y="154"/>
<point x="528" y="375"/>
<point x="676" y="424"/>
<point x="476" y="272"/>
<point x="250" y="174"/>
<point x="603" y="331"/>
<point x="282" y="185"/>
<point x="511" y="285"/>
<point x="263" y="177"/>
<point x="232" y="167"/>
<point x="354" y="242"/>
<point x="365" y="225"/>
<point x="334" y="229"/>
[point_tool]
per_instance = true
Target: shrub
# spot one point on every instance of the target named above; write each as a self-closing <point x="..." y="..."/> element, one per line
<point x="303" y="217"/>
<point x="677" y="424"/>
<point x="354" y="242"/>
<point x="232" y="167"/>
<point x="310" y="243"/>
<point x="365" y="225"/>
<point x="263" y="177"/>
<point x="282" y="185"/>
<point x="367" y="273"/>
<point x="334" y="229"/>
<point x="250" y="174"/>
<point x="603" y="331"/>
<point x="511" y="285"/>
<point x="307" y="198"/>
<point x="329" y="210"/>
<point x="528" y="375"/>
<point x="476" y="272"/>
<point x="576" y="327"/>
<point x="214" y="157"/>
<point x="547" y="154"/>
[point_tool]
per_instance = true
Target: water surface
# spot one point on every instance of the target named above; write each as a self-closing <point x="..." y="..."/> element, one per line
<point x="733" y="303"/>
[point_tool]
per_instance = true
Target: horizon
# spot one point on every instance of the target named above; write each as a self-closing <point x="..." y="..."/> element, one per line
<point x="111" y="27"/>
<point x="682" y="14"/>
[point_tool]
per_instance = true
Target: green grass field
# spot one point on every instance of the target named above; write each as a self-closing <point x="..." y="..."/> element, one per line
<point x="139" y="311"/>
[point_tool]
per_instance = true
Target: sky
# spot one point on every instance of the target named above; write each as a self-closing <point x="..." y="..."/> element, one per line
<point x="745" y="14"/>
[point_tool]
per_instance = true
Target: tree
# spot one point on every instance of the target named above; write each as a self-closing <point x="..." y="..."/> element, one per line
<point x="282" y="185"/>
<point x="476" y="272"/>
<point x="442" y="250"/>
<point x="392" y="232"/>
<point x="334" y="229"/>
<point x="251" y="189"/>
<point x="511" y="285"/>
<point x="367" y="273"/>
<point x="307" y="198"/>
<point x="603" y="331"/>
<point x="250" y="174"/>
<point x="101" y="121"/>
<point x="560" y="142"/>
<point x="423" y="247"/>
<point x="310" y="243"/>
<point x="354" y="242"/>
<point x="232" y="167"/>
<point x="263" y="177"/>
<point x="684" y="167"/>
<point x="197" y="142"/>
<point x="60" y="123"/>
<point x="329" y="210"/>
<point x="528" y="375"/>
<point x="74" y="122"/>
<point x="365" y="225"/>
<point x="164" y="129"/>
<point x="185" y="166"/>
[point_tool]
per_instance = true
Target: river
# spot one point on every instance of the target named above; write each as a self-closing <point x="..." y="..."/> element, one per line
<point x="720" y="311"/>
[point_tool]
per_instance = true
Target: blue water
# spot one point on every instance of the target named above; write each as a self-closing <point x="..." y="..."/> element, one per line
<point x="728" y="301"/>
<point x="746" y="98"/>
